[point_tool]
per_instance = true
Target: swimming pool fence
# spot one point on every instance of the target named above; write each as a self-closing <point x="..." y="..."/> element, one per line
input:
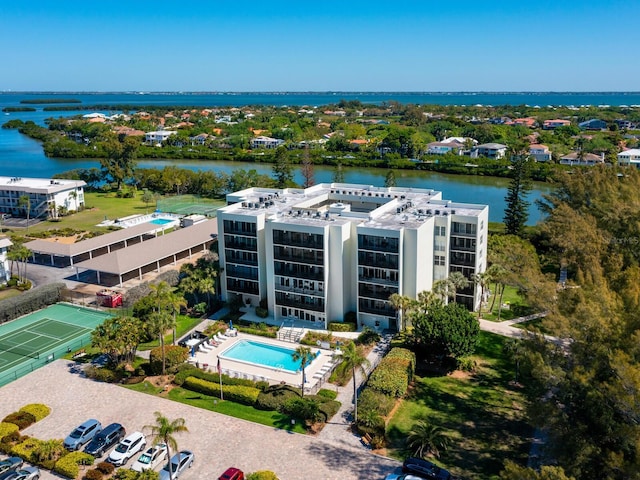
<point x="188" y="205"/>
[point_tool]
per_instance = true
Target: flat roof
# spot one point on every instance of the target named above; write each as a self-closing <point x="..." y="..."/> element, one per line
<point x="72" y="249"/>
<point x="39" y="185"/>
<point x="141" y="254"/>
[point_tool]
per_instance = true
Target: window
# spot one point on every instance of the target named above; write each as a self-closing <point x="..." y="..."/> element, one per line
<point x="440" y="231"/>
<point x="439" y="260"/>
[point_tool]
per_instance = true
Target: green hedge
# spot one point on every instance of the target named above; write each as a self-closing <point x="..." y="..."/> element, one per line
<point x="394" y="372"/>
<point x="262" y="475"/>
<point x="7" y="428"/>
<point x="38" y="410"/>
<point x="404" y="354"/>
<point x="328" y="409"/>
<point x="330" y="394"/>
<point x="274" y="397"/>
<point x="21" y="419"/>
<point x="93" y="474"/>
<point x="235" y="393"/>
<point x="39" y="297"/>
<point x="184" y="373"/>
<point x="262" y="312"/>
<point x="174" y="355"/>
<point x="342" y="327"/>
<point x="370" y="400"/>
<point x="68" y="466"/>
<point x="26" y="449"/>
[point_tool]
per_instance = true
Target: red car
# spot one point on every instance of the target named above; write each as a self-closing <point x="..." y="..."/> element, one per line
<point x="232" y="474"/>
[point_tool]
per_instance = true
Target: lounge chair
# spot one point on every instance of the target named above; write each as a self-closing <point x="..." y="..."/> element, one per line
<point x="206" y="347"/>
<point x="220" y="337"/>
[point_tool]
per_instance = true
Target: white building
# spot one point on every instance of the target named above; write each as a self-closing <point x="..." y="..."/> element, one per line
<point x="489" y="150"/>
<point x="316" y="254"/>
<point x="5" y="273"/>
<point x="266" y="142"/>
<point x="46" y="196"/>
<point x="629" y="157"/>
<point x="157" y="138"/>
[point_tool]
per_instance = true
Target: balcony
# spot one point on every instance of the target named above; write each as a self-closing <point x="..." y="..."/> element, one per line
<point x="377" y="280"/>
<point x="375" y="292"/>
<point x="241" y="243"/>
<point x="240" y="286"/>
<point x="382" y="311"/>
<point x="297" y="239"/>
<point x="314" y="292"/>
<point x="294" y="270"/>
<point x="248" y="273"/>
<point x="233" y="256"/>
<point x="378" y="244"/>
<point x="378" y="260"/>
<point x="299" y="255"/>
<point x="299" y="301"/>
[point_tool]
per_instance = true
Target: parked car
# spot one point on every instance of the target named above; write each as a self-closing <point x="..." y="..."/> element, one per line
<point x="150" y="459"/>
<point x="10" y="464"/>
<point x="82" y="434"/>
<point x="179" y="463"/>
<point x="425" y="468"/>
<point x="127" y="448"/>
<point x="27" y="473"/>
<point x="232" y="474"/>
<point x="109" y="436"/>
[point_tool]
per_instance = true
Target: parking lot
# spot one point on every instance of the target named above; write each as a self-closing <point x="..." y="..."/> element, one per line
<point x="217" y="441"/>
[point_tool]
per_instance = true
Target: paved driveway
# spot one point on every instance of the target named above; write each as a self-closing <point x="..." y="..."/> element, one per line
<point x="218" y="441"/>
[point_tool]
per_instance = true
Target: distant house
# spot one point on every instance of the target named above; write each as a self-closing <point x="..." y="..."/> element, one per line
<point x="526" y="122"/>
<point x="593" y="124"/>
<point x="358" y="143"/>
<point x="540" y="153"/>
<point x="5" y="273"/>
<point x="127" y="131"/>
<point x="455" y="145"/>
<point x="629" y="157"/>
<point x="266" y="142"/>
<point x="625" y="124"/>
<point x="552" y="124"/>
<point x="489" y="150"/>
<point x="200" y="139"/>
<point x="158" y="137"/>
<point x="584" y="160"/>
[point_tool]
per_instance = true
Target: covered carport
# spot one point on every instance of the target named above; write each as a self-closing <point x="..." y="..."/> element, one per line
<point x="151" y="255"/>
<point x="59" y="254"/>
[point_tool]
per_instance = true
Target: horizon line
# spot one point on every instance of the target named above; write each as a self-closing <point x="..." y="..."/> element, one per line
<point x="298" y="92"/>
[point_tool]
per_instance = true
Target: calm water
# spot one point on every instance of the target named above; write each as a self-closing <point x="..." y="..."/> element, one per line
<point x="263" y="354"/>
<point x="21" y="156"/>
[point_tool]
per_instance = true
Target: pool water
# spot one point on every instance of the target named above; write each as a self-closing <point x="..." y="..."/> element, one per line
<point x="160" y="221"/>
<point x="262" y="354"/>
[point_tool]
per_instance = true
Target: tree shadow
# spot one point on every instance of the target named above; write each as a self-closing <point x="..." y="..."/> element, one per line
<point x="351" y="461"/>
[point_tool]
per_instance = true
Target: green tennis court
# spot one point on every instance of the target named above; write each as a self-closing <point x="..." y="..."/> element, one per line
<point x="40" y="337"/>
<point x="189" y="204"/>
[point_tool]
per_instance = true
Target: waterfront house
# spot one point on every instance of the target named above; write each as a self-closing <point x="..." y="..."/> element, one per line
<point x="200" y="139"/>
<point x="157" y="138"/>
<point x="593" y="124"/>
<point x="553" y="124"/>
<point x="316" y="254"/>
<point x="489" y="150"/>
<point x="625" y="124"/>
<point x="5" y="272"/>
<point x="46" y="196"/>
<point x="629" y="157"/>
<point x="539" y="152"/>
<point x="266" y="142"/>
<point x="454" y="145"/>
<point x="582" y="159"/>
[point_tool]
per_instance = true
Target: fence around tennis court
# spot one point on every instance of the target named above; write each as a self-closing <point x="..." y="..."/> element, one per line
<point x="188" y="205"/>
<point x="45" y="357"/>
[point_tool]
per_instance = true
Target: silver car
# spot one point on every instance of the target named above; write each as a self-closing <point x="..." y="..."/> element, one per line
<point x="179" y="463"/>
<point x="27" y="473"/>
<point x="82" y="434"/>
<point x="150" y="459"/>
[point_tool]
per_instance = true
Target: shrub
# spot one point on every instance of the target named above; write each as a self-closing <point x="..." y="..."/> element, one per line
<point x="30" y="301"/>
<point x="262" y="475"/>
<point x="68" y="466"/>
<point x="405" y="354"/>
<point x="312" y="338"/>
<point x="368" y="337"/>
<point x="102" y="374"/>
<point x="235" y="393"/>
<point x="125" y="474"/>
<point x="184" y="373"/>
<point x="328" y="409"/>
<point x="7" y="429"/>
<point x="393" y="374"/>
<point x="303" y="408"/>
<point x="21" y="419"/>
<point x="262" y="312"/>
<point x="342" y="326"/>
<point x="26" y="449"/>
<point x="93" y="474"/>
<point x="274" y="397"/>
<point x="330" y="394"/>
<point x="105" y="467"/>
<point x="378" y="402"/>
<point x="466" y="364"/>
<point x="38" y="410"/>
<point x="174" y="356"/>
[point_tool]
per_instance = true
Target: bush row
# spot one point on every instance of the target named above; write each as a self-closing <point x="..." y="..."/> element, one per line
<point x="394" y="373"/>
<point x="39" y="297"/>
<point x="21" y="419"/>
<point x="182" y="375"/>
<point x="234" y="393"/>
<point x="342" y="326"/>
<point x="38" y="410"/>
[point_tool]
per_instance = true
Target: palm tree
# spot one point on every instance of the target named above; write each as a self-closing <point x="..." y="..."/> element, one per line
<point x="426" y="439"/>
<point x="353" y="360"/>
<point x="159" y="322"/>
<point x="25" y="202"/>
<point x="163" y="432"/>
<point x="304" y="355"/>
<point x="448" y="287"/>
<point x="401" y="303"/>
<point x="483" y="280"/>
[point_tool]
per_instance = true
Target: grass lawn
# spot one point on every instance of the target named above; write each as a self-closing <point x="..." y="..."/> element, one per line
<point x="482" y="413"/>
<point x="184" y="324"/>
<point x="9" y="292"/>
<point x="207" y="402"/>
<point x="517" y="306"/>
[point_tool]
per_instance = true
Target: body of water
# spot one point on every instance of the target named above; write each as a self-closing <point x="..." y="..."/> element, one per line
<point x="23" y="157"/>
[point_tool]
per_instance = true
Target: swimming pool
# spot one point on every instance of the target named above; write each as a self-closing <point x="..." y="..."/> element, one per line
<point x="262" y="355"/>
<point x="161" y="221"/>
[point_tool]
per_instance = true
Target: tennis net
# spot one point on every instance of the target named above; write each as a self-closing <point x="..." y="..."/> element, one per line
<point x="25" y="352"/>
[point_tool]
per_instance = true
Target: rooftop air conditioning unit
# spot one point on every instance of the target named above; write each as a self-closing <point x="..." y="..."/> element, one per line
<point x="398" y="210"/>
<point x="244" y="204"/>
<point x="437" y="212"/>
<point x="453" y="212"/>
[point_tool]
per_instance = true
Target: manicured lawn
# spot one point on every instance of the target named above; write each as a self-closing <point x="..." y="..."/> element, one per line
<point x="482" y="412"/>
<point x="517" y="306"/>
<point x="184" y="324"/>
<point x="269" y="418"/>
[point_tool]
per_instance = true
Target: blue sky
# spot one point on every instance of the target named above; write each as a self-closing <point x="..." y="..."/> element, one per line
<point x="350" y="45"/>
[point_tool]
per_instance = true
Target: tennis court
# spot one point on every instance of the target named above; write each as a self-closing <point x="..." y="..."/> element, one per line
<point x="189" y="204"/>
<point x="40" y="337"/>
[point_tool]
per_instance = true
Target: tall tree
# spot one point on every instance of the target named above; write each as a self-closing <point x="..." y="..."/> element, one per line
<point x="282" y="170"/>
<point x="354" y="360"/>
<point x="24" y="201"/>
<point x="305" y="357"/>
<point x="307" y="169"/>
<point x="390" y="179"/>
<point x="121" y="160"/>
<point x="118" y="338"/>
<point x="163" y="431"/>
<point x="516" y="212"/>
<point x="401" y="304"/>
<point x="338" y="173"/>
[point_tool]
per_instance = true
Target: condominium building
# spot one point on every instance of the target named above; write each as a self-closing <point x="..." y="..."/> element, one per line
<point x="316" y="254"/>
<point x="46" y="197"/>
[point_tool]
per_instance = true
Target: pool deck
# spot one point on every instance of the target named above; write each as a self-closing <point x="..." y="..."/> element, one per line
<point x="317" y="372"/>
